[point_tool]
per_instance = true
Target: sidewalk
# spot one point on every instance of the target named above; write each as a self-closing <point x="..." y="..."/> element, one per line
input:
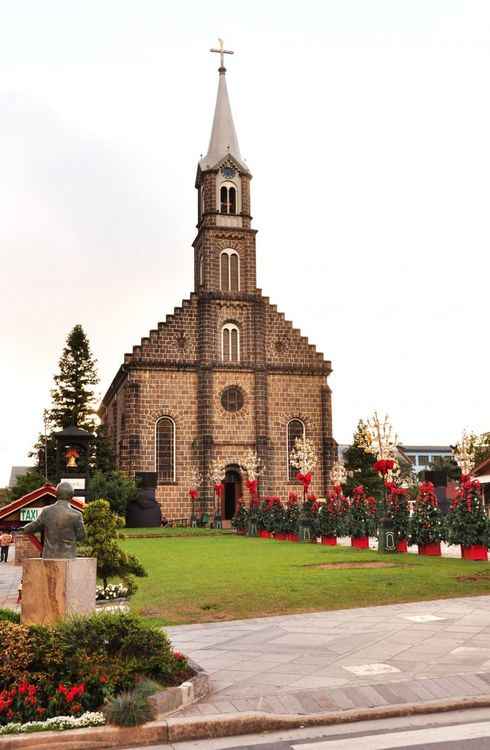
<point x="10" y="575"/>
<point x="345" y="659"/>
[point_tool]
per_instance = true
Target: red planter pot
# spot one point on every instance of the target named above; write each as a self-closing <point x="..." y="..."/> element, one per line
<point x="280" y="537"/>
<point x="329" y="540"/>
<point x="293" y="538"/>
<point x="474" y="552"/>
<point x="402" y="545"/>
<point x="431" y="550"/>
<point x="359" y="542"/>
<point x="241" y="531"/>
<point x="264" y="534"/>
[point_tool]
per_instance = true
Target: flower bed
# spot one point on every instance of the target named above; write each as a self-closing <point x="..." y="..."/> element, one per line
<point x="110" y="592"/>
<point x="55" y="724"/>
<point x="74" y="666"/>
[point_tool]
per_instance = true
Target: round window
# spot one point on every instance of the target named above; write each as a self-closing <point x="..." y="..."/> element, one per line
<point x="232" y="398"/>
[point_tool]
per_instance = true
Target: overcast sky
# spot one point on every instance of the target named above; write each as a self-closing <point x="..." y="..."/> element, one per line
<point x="366" y="126"/>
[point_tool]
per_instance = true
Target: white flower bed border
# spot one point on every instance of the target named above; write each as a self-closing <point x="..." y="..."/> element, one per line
<point x="56" y="724"/>
<point x="112" y="591"/>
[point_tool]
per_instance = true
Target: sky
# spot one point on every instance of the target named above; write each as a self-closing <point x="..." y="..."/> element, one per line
<point x="366" y="127"/>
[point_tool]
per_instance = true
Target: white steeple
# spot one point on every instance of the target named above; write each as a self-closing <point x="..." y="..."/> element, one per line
<point x="223" y="139"/>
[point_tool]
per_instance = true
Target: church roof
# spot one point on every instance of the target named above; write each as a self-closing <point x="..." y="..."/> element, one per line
<point x="224" y="140"/>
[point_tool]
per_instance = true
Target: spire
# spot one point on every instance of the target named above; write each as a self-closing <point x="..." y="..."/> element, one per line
<point x="223" y="139"/>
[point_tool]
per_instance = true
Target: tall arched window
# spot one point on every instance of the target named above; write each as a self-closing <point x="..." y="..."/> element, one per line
<point x="201" y="270"/>
<point x="296" y="429"/>
<point x="228" y="202"/>
<point x="230" y="343"/>
<point x="229" y="271"/>
<point x="165" y="449"/>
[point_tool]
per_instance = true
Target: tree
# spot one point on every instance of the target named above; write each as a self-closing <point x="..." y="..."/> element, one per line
<point x="26" y="483"/>
<point x="482" y="450"/>
<point x="115" y="487"/>
<point x="426" y="523"/>
<point x="102" y="529"/>
<point x="362" y="516"/>
<point x="466" y="520"/>
<point x="445" y="465"/>
<point x="359" y="466"/>
<point x="104" y="457"/>
<point x="73" y="395"/>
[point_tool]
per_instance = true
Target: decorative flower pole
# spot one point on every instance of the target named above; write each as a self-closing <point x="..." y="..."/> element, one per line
<point x="303" y="457"/>
<point x="381" y="441"/>
<point x="196" y="482"/>
<point x="253" y="467"/>
<point x="217" y="474"/>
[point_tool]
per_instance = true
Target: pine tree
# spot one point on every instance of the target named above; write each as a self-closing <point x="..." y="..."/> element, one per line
<point x="426" y="523"/>
<point x="359" y="467"/>
<point x="73" y="395"/>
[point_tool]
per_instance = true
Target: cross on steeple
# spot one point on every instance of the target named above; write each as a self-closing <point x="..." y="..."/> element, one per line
<point x="222" y="52"/>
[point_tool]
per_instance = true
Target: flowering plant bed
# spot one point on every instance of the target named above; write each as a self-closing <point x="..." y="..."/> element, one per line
<point x="74" y="666"/>
<point x="474" y="552"/>
<point x="111" y="591"/>
<point x="55" y="724"/>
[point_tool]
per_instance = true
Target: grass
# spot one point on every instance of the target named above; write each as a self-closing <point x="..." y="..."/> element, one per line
<point x="178" y="531"/>
<point x="228" y="577"/>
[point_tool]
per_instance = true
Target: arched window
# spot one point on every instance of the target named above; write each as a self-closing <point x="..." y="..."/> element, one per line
<point x="230" y="343"/>
<point x="228" y="199"/>
<point x="296" y="429"/>
<point x="229" y="271"/>
<point x="165" y="449"/>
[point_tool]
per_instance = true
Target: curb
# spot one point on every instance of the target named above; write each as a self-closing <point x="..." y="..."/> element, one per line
<point x="222" y="725"/>
<point x="170" y="700"/>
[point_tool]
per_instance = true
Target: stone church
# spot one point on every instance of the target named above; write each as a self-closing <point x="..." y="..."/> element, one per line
<point x="225" y="372"/>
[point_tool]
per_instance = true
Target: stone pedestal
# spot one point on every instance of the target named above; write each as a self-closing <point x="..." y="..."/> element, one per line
<point x="54" y="589"/>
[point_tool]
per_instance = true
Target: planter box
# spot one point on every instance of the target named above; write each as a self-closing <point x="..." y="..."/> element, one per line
<point x="280" y="537"/>
<point x="330" y="540"/>
<point x="402" y="545"/>
<point x="264" y="534"/>
<point x="359" y="542"/>
<point x="293" y="538"/>
<point x="474" y="552"/>
<point x="431" y="550"/>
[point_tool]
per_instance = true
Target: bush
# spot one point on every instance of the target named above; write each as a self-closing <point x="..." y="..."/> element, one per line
<point x="116" y="487"/>
<point x="10" y="615"/>
<point x="129" y="709"/>
<point x="426" y="524"/>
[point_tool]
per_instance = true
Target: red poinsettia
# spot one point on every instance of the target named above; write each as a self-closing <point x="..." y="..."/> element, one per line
<point x="383" y="466"/>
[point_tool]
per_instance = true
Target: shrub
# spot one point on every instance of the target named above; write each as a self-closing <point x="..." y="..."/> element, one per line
<point x="362" y="516"/>
<point x="466" y="520"/>
<point x="116" y="487"/>
<point x="426" y="523"/>
<point x="10" y="615"/>
<point x="129" y="709"/>
<point x="17" y="653"/>
<point x="102" y="528"/>
<point x="240" y="519"/>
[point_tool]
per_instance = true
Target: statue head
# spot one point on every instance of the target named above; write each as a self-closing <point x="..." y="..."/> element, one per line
<point x="64" y="491"/>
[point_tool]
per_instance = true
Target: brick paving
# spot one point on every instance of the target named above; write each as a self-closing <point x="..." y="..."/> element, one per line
<point x="10" y="575"/>
<point x="344" y="659"/>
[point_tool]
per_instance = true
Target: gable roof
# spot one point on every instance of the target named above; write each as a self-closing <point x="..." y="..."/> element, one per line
<point x="21" y="502"/>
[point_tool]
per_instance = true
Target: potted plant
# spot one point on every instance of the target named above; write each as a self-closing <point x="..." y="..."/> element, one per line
<point x="328" y="517"/>
<point x="426" y="523"/>
<point x="362" y="518"/>
<point x="292" y="518"/>
<point x="308" y="520"/>
<point x="399" y="513"/>
<point x="467" y="524"/>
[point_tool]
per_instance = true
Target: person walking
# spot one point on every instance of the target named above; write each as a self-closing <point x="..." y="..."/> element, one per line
<point x="6" y="540"/>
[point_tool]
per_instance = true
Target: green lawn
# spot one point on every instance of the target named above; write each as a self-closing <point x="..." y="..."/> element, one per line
<point x="202" y="579"/>
<point x="156" y="531"/>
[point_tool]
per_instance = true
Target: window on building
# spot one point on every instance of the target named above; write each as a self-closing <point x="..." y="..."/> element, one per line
<point x="201" y="270"/>
<point x="296" y="429"/>
<point x="423" y="460"/>
<point x="165" y="449"/>
<point x="230" y="344"/>
<point x="229" y="271"/>
<point x="228" y="199"/>
<point x="232" y="398"/>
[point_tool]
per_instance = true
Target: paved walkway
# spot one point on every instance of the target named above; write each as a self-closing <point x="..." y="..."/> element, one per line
<point x="9" y="582"/>
<point x="357" y="658"/>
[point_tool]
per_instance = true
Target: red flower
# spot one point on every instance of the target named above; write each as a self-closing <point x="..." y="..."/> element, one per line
<point x="193" y="494"/>
<point x="40" y="711"/>
<point x="103" y="679"/>
<point x="383" y="466"/>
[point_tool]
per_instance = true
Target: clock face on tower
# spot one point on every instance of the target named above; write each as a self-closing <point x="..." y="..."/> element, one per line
<point x="228" y="172"/>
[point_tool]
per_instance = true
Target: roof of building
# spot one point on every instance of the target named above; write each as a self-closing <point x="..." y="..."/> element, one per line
<point x="16" y="472"/>
<point x="21" y="502"/>
<point x="224" y="140"/>
<point x="426" y="448"/>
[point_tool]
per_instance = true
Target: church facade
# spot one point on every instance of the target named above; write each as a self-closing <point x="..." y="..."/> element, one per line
<point x="226" y="372"/>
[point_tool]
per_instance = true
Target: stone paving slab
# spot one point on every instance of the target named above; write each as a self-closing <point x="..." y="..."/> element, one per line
<point x="10" y="576"/>
<point x="345" y="659"/>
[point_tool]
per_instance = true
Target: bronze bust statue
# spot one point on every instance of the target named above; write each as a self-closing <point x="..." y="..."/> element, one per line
<point x="61" y="524"/>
